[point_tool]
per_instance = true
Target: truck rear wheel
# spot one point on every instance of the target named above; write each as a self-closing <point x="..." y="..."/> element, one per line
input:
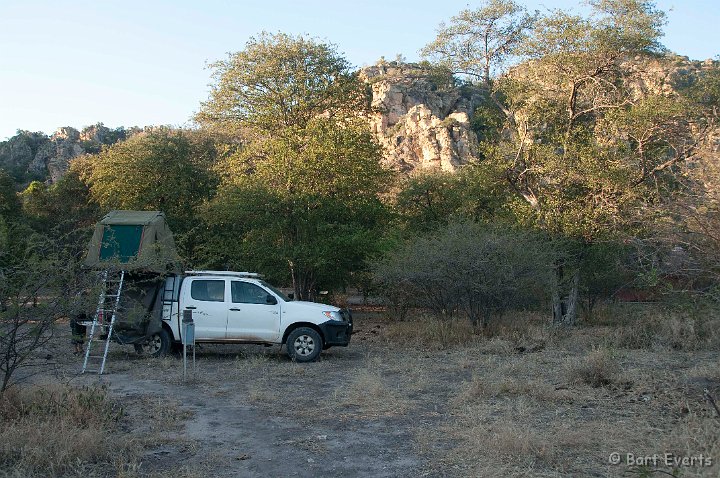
<point x="157" y="345"/>
<point x="304" y="344"/>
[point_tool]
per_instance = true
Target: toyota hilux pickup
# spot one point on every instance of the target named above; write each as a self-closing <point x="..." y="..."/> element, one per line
<point x="240" y="308"/>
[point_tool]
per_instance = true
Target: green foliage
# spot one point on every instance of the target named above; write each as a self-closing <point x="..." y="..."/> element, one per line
<point x="322" y="158"/>
<point x="64" y="209"/>
<point x="39" y="282"/>
<point x="605" y="269"/>
<point x="431" y="200"/>
<point x="281" y="81"/>
<point x="314" y="242"/>
<point x="487" y="122"/>
<point x="577" y="144"/>
<point x="301" y="208"/>
<point x="9" y="202"/>
<point x="466" y="268"/>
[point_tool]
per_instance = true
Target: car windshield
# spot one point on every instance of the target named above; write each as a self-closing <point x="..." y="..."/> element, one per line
<point x="275" y="291"/>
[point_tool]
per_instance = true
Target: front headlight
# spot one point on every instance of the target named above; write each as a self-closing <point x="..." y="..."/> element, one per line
<point x="332" y="315"/>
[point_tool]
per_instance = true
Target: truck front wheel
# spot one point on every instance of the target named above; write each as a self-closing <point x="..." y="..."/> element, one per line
<point x="157" y="345"/>
<point x="304" y="344"/>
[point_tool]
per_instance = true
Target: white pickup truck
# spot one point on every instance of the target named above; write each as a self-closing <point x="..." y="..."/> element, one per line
<point x="239" y="307"/>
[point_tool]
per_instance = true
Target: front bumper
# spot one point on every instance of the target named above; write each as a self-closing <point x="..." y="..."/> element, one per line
<point x="337" y="332"/>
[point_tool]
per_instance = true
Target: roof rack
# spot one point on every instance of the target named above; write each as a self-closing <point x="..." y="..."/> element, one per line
<point x="253" y="275"/>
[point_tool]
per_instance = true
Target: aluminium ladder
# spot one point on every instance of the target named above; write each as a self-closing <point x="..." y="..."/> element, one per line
<point x="108" y="305"/>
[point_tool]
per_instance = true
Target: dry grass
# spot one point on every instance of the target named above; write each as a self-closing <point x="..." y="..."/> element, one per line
<point x="430" y="333"/>
<point x="370" y="395"/>
<point x="519" y="400"/>
<point x="61" y="431"/>
<point x="482" y="388"/>
<point x="598" y="368"/>
<point x="662" y="327"/>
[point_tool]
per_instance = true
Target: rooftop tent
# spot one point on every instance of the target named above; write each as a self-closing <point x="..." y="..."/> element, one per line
<point x="133" y="240"/>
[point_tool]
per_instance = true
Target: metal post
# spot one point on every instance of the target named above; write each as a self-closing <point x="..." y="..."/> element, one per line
<point x="188" y="338"/>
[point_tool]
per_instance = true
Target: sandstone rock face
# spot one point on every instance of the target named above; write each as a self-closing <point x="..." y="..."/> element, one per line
<point x="421" y="124"/>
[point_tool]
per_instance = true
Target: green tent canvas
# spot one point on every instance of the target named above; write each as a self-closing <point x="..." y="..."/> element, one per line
<point x="133" y="240"/>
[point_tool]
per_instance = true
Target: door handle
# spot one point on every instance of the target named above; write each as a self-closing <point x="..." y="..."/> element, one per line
<point x="191" y="307"/>
<point x="235" y="310"/>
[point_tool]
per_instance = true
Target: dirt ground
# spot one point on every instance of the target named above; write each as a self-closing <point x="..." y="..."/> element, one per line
<point x="385" y="407"/>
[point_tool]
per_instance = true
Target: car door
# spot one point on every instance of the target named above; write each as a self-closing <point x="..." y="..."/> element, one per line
<point x="207" y="298"/>
<point x="254" y="313"/>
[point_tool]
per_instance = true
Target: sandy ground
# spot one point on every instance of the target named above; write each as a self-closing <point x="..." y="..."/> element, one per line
<point x="493" y="407"/>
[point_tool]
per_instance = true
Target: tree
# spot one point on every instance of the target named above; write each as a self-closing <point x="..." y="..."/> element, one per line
<point x="162" y="169"/>
<point x="9" y="202"/>
<point x="301" y="197"/>
<point x="304" y="208"/>
<point x="280" y="81"/>
<point x="580" y="145"/>
<point x="478" y="41"/>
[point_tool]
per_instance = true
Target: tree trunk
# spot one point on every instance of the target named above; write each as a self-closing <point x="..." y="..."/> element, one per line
<point x="557" y="307"/>
<point x="303" y="283"/>
<point x="571" y="314"/>
<point x="565" y="306"/>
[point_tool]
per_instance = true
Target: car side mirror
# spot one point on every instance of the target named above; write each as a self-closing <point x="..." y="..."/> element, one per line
<point x="270" y="300"/>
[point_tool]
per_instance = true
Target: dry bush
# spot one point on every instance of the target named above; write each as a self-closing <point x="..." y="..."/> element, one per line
<point x="55" y="431"/>
<point x="598" y="368"/>
<point x="431" y="333"/>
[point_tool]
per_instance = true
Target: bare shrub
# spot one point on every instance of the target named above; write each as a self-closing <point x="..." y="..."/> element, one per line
<point x="40" y="281"/>
<point x="598" y="368"/>
<point x="467" y="269"/>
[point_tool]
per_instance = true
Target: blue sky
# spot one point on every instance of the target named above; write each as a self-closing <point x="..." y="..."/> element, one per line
<point x="125" y="63"/>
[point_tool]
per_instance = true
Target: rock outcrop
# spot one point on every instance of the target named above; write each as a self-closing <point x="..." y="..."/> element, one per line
<point x="421" y="118"/>
<point x="54" y="156"/>
<point x="35" y="156"/>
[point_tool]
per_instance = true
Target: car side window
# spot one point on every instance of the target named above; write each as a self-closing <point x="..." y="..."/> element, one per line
<point x="208" y="290"/>
<point x="246" y="293"/>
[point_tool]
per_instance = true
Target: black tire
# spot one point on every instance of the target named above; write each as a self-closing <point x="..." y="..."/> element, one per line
<point x="304" y="344"/>
<point x="157" y="345"/>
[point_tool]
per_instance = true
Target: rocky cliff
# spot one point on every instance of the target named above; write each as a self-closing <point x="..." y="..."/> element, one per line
<point x="421" y="117"/>
<point x="424" y="120"/>
<point x="34" y="156"/>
